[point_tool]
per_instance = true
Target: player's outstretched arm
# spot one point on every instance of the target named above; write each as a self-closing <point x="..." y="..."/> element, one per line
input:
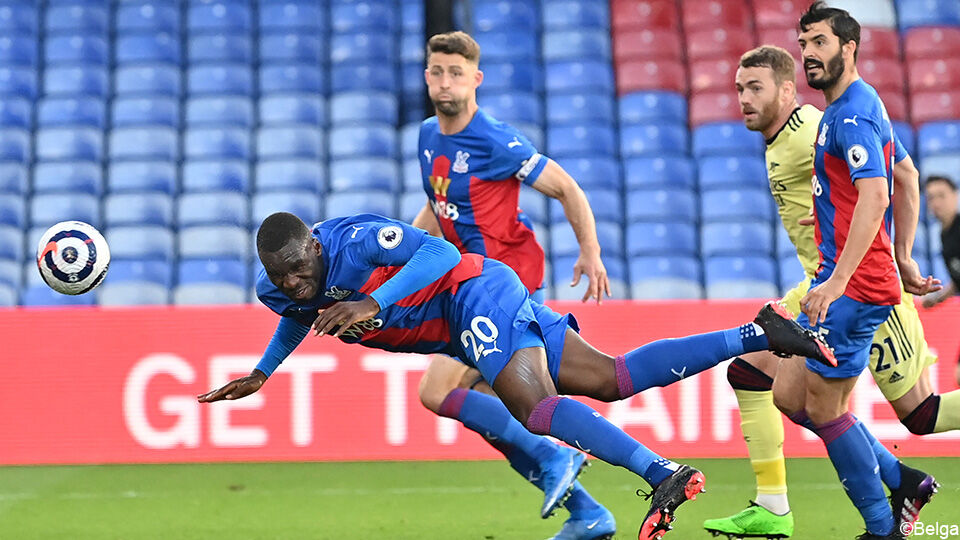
<point x="236" y="389"/>
<point x="556" y="183"/>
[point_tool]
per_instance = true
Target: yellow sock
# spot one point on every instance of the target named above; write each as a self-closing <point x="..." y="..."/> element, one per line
<point x="948" y="416"/>
<point x="762" y="429"/>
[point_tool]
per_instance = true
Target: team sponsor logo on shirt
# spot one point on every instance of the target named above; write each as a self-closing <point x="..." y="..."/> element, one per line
<point x="822" y="139"/>
<point x="337" y="293"/>
<point x="460" y="165"/>
<point x="357" y="330"/>
<point x="857" y="156"/>
<point x="390" y="237"/>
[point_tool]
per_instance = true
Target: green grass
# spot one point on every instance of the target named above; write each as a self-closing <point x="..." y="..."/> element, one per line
<point x="426" y="500"/>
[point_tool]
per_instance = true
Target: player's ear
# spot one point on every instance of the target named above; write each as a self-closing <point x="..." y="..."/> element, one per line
<point x="478" y="78"/>
<point x="848" y="49"/>
<point x="788" y="91"/>
<point x="317" y="248"/>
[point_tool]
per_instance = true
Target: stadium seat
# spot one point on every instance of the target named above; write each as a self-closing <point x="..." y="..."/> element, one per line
<point x="363" y="107"/>
<point x="213" y="208"/>
<point x="63" y="111"/>
<point x="143" y="143"/>
<point x="784" y="247"/>
<point x="79" y="144"/>
<point x="653" y="139"/>
<point x="69" y="177"/>
<point x="18" y="17"/>
<point x="141" y="242"/>
<point x="785" y="38"/>
<point x="218" y="17"/>
<point x="896" y="105"/>
<point x="16" y="112"/>
<point x="291" y="47"/>
<point x="659" y="278"/>
<point x="607" y="205"/>
<point x="291" y="78"/>
<point x="790" y="272"/>
<point x="562" y="271"/>
<point x="132" y="293"/>
<point x="726" y="138"/>
<point x="373" y="16"/>
<point x="147" y="17"/>
<point x="210" y="241"/>
<point x="412" y="179"/>
<point x="411" y="17"/>
<point x="220" y="48"/>
<point x="212" y="270"/>
<point x="410" y="206"/>
<point x="220" y="79"/>
<point x="709" y="14"/>
<point x="15" y="145"/>
<point x="41" y="295"/>
<point x="576" y="45"/>
<point x="784" y="13"/>
<point x="133" y="176"/>
<point x="563" y="241"/>
<point x="709" y="107"/>
<point x="18" y="50"/>
<point x="736" y="238"/>
<point x="885" y="75"/>
<point x="138" y="209"/>
<point x="409" y="141"/>
<point x="209" y="294"/>
<point x="660" y="172"/>
<point x="580" y="108"/>
<point x="359" y="76"/>
<point x="669" y="75"/>
<point x="495" y="15"/>
<point x="581" y="141"/>
<point x="517" y="76"/>
<point x="10" y="270"/>
<point x="907" y="137"/>
<point x="143" y="270"/>
<point x="665" y="238"/>
<point x="946" y="165"/>
<point x="210" y="143"/>
<point x="290" y="142"/>
<point x="532" y="132"/>
<point x="913" y="13"/>
<point x="512" y="107"/>
<point x="76" y="48"/>
<point x="49" y="208"/>
<point x="660" y="205"/>
<point x="162" y="80"/>
<point x="934" y="74"/>
<point x="21" y="82"/>
<point x="594" y="173"/>
<point x="412" y="49"/>
<point x="373" y="174"/>
<point x="361" y="47"/>
<point x="155" y="110"/>
<point x="638" y="15"/>
<point x="936" y="105"/>
<point x="531" y="202"/>
<point x="714" y="74"/>
<point x="879" y="13"/>
<point x="878" y="43"/>
<point x="736" y="205"/>
<point x="72" y="81"/>
<point x="13" y="178"/>
<point x="303" y="204"/>
<point x="292" y="15"/>
<point x="733" y="172"/>
<point x="216" y="175"/>
<point x="346" y="204"/>
<point x="931" y="43"/>
<point x="740" y="277"/>
<point x="373" y="140"/>
<point x="587" y="76"/>
<point x="503" y="45"/>
<point x="576" y="14"/>
<point x="650" y="44"/>
<point x="146" y="48"/>
<point x="652" y="107"/>
<point x="293" y="109"/>
<point x="939" y="138"/>
<point x="11" y="244"/>
<point x="718" y="43"/>
<point x="13" y="211"/>
<point x="89" y="19"/>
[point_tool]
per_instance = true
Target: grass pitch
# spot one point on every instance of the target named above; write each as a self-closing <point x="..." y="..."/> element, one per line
<point x="389" y="500"/>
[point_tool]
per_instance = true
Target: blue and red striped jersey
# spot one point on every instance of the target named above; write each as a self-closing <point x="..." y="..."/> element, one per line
<point x="855" y="140"/>
<point x="472" y="179"/>
<point x="359" y="254"/>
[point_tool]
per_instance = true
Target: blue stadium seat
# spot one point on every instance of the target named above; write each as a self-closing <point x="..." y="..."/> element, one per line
<point x="71" y="112"/>
<point x="657" y="172"/>
<point x="138" y="209"/>
<point x="293" y="109"/>
<point x="410" y="141"/>
<point x="412" y="175"/>
<point x="209" y="241"/>
<point x="653" y="139"/>
<point x="141" y="242"/>
<point x="563" y="241"/>
<point x="576" y="45"/>
<point x="585" y="76"/>
<point x="49" y="208"/>
<point x="216" y="175"/>
<point x="360" y="47"/>
<point x="15" y="145"/>
<point x="218" y="17"/>
<point x="870" y="13"/>
<point x="304" y="204"/>
<point x="143" y="143"/>
<point x="412" y="48"/>
<point x="292" y="78"/>
<point x="209" y="143"/>
<point x="220" y="79"/>
<point x="346" y="204"/>
<point x="90" y="19"/>
<point x="148" y="17"/>
<point x="213" y="208"/>
<point x="577" y="14"/>
<point x="580" y="108"/>
<point x="163" y="80"/>
<point x="913" y="13"/>
<point x="653" y="107"/>
<point x="18" y="17"/>
<point x="607" y="205"/>
<point x="290" y="142"/>
<point x="736" y="238"/>
<point x="287" y="174"/>
<point x="740" y="277"/>
<point x="146" y="48"/>
<point x="220" y="110"/>
<point x="502" y="45"/>
<point x="360" y="76"/>
<point x="513" y="107"/>
<point x="372" y="16"/>
<point x="10" y="270"/>
<point x="155" y="110"/>
<point x="13" y="211"/>
<point x="790" y="272"/>
<point x="581" y="140"/>
<point x="532" y="132"/>
<point x="935" y="138"/>
<point x="562" y="270"/>
<point x="939" y="269"/>
<point x="291" y="47"/>
<point x="362" y="107"/>
<point x="411" y="17"/>
<point x="374" y="140"/>
<point x="719" y="172"/>
<point x="410" y="206"/>
<point x="152" y="271"/>
<point x="11" y="243"/>
<point x="76" y="48"/>
<point x="657" y="278"/>
<point x="502" y="76"/>
<point x="593" y="173"/>
<point x="220" y="48"/>
<point x="16" y="112"/>
<point x="13" y="178"/>
<point x="921" y="245"/>
<point x="946" y="164"/>
<point x="293" y="15"/>
<point x="41" y="295"/>
<point x="726" y="138"/>
<point x="661" y="205"/>
<point x="79" y="144"/>
<point x="907" y="137"/>
<point x="212" y="270"/>
<point x="8" y="295"/>
<point x="68" y="176"/>
<point x="784" y="247"/>
<point x="18" y="50"/>
<point x="498" y="14"/>
<point x="374" y="174"/>
<point x="737" y="205"/>
<point x="644" y="239"/>
<point x="20" y="82"/>
<point x="532" y="202"/>
<point x="132" y="293"/>
<point x="132" y="176"/>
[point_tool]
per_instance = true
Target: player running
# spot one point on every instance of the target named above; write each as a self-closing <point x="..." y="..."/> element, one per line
<point x="388" y="285"/>
<point x="856" y="283"/>
<point x="472" y="167"/>
<point x="766" y="85"/>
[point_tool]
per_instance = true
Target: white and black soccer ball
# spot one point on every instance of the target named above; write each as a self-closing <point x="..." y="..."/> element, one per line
<point x="72" y="257"/>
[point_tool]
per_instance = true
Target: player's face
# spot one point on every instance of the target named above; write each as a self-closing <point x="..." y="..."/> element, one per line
<point x="822" y="56"/>
<point x="759" y="97"/>
<point x="295" y="269"/>
<point x="941" y="200"/>
<point x="452" y="82"/>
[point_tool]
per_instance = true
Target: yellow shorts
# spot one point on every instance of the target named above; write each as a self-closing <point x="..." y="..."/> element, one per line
<point x="899" y="352"/>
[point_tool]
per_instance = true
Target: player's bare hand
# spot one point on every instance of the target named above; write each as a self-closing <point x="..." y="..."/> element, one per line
<point x="235" y="389"/>
<point x="818" y="299"/>
<point x="344" y="315"/>
<point x="913" y="280"/>
<point x="597" y="280"/>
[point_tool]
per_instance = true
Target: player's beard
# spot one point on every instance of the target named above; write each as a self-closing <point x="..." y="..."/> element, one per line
<point x="765" y="117"/>
<point x="831" y="73"/>
<point x="449" y="107"/>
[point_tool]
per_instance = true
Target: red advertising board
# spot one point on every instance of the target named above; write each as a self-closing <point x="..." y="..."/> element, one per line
<point x="111" y="385"/>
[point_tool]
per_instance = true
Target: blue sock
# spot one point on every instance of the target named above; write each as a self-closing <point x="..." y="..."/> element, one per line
<point x="489" y="417"/>
<point x="889" y="465"/>
<point x="856" y="465"/>
<point x="666" y="361"/>
<point x="581" y="427"/>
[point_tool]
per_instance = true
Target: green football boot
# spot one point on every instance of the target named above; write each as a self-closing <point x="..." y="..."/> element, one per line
<point x="754" y="522"/>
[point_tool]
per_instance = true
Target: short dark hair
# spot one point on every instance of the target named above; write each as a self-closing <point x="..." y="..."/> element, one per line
<point x="841" y="23"/>
<point x="455" y="43"/>
<point x="940" y="178"/>
<point x="773" y="57"/>
<point x="278" y="230"/>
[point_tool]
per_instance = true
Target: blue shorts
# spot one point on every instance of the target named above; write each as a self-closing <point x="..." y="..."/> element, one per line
<point x="849" y="329"/>
<point x="493" y="316"/>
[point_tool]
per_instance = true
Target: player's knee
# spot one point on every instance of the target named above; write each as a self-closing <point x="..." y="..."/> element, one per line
<point x="431" y="394"/>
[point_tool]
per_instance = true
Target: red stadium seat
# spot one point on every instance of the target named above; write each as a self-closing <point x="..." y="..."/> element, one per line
<point x="651" y="75"/>
<point x="715" y="74"/>
<point x="928" y="75"/>
<point x="896" y="104"/>
<point x="647" y="45"/>
<point x="714" y="107"/>
<point x="785" y="37"/>
<point x="884" y="74"/>
<point x="930" y="106"/>
<point x="932" y="42"/>
<point x="877" y="43"/>
<point x="779" y="13"/>
<point x="806" y="95"/>
<point x="718" y="42"/>
<point x="709" y="14"/>
<point x="644" y="15"/>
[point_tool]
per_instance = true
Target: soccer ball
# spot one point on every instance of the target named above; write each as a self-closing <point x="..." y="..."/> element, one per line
<point x="72" y="257"/>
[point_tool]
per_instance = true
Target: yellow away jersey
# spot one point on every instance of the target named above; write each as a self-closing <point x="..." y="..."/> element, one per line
<point x="790" y="170"/>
